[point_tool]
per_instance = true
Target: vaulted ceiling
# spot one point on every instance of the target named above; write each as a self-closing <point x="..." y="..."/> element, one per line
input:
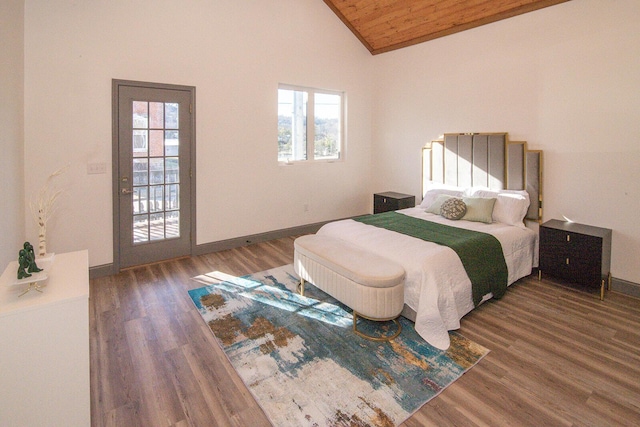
<point x="384" y="25"/>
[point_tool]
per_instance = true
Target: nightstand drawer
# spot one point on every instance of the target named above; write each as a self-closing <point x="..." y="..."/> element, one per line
<point x="571" y="256"/>
<point x="392" y="201"/>
<point x="575" y="252"/>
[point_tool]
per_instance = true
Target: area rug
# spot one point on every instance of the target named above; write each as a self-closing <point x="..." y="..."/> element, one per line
<point x="304" y="365"/>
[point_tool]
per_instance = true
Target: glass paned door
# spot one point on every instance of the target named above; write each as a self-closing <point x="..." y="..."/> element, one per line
<point x="156" y="171"/>
<point x="154" y="179"/>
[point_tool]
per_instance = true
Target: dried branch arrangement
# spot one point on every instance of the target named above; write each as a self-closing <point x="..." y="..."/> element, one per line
<point x="44" y="206"/>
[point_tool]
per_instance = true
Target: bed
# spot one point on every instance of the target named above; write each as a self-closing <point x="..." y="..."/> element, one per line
<point x="475" y="168"/>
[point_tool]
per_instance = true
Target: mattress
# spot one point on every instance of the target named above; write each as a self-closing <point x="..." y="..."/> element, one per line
<point x="437" y="287"/>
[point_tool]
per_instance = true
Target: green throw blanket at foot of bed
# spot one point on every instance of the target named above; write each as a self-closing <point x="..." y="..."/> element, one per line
<point x="481" y="253"/>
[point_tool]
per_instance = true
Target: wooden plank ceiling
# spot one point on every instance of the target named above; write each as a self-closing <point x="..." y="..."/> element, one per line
<point x="384" y="25"/>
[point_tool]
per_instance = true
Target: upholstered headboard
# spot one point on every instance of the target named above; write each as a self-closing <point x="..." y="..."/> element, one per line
<point x="488" y="160"/>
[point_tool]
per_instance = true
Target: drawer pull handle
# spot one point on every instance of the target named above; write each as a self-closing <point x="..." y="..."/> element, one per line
<point x="568" y="237"/>
<point x="567" y="261"/>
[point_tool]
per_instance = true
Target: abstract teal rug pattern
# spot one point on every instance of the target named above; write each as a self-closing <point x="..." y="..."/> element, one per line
<point x="304" y="365"/>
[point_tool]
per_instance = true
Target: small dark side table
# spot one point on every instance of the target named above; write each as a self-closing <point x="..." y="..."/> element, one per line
<point x="392" y="201"/>
<point x="577" y="253"/>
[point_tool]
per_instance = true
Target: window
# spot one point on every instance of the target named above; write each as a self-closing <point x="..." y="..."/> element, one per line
<point x="309" y="124"/>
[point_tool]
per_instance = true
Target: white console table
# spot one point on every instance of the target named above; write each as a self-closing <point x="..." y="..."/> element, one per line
<point x="44" y="347"/>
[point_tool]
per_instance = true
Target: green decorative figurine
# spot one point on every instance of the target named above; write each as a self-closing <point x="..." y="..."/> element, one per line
<point x="33" y="267"/>
<point x="23" y="264"/>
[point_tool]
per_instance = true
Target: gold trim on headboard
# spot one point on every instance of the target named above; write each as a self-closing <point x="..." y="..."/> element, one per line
<point x="468" y="159"/>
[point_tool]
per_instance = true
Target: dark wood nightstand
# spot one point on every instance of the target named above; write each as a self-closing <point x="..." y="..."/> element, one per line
<point x="392" y="201"/>
<point x="577" y="253"/>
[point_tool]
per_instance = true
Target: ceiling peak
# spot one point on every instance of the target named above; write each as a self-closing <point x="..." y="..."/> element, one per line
<point x="384" y="25"/>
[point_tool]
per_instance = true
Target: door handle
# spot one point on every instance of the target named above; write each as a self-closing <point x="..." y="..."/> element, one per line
<point x="124" y="191"/>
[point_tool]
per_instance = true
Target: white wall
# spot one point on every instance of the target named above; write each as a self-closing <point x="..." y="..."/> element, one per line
<point x="565" y="78"/>
<point x="11" y="133"/>
<point x="235" y="53"/>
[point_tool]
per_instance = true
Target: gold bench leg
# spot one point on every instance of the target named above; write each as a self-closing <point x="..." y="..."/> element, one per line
<point x="370" y="337"/>
<point x="301" y="287"/>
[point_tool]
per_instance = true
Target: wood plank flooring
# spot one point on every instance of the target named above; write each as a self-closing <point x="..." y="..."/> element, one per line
<point x="559" y="356"/>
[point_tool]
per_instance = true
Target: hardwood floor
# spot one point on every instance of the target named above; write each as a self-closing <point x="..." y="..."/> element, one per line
<point x="559" y="357"/>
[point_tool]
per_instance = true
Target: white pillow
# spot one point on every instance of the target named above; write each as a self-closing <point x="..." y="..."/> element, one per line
<point x="435" y="207"/>
<point x="511" y="205"/>
<point x="435" y="189"/>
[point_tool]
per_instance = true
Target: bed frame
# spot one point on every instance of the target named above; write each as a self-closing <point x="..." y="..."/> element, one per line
<point x="485" y="159"/>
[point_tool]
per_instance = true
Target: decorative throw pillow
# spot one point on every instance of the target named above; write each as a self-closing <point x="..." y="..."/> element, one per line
<point x="479" y="209"/>
<point x="453" y="208"/>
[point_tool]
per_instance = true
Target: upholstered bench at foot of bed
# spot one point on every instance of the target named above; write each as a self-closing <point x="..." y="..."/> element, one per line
<point x="372" y="286"/>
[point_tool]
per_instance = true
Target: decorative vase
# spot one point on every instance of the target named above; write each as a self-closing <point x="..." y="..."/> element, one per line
<point x="42" y="237"/>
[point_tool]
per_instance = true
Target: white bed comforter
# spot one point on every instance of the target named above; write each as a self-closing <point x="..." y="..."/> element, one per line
<point x="437" y="287"/>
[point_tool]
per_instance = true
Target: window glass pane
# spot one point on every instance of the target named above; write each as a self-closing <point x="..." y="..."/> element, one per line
<point x="171" y="118"/>
<point x="327" y="126"/>
<point x="156" y="196"/>
<point x="292" y="125"/>
<point x="156" y="171"/>
<point x="156" y="115"/>
<point x="172" y="171"/>
<point x="140" y="115"/>
<point x="140" y="171"/>
<point x="140" y="143"/>
<point x="140" y="200"/>
<point x="156" y="226"/>
<point x="172" y="197"/>
<point x="140" y="228"/>
<point x="172" y="224"/>
<point x="156" y="143"/>
<point x="171" y="142"/>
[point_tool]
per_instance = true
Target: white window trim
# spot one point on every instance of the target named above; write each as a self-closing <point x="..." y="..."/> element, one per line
<point x="311" y="129"/>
